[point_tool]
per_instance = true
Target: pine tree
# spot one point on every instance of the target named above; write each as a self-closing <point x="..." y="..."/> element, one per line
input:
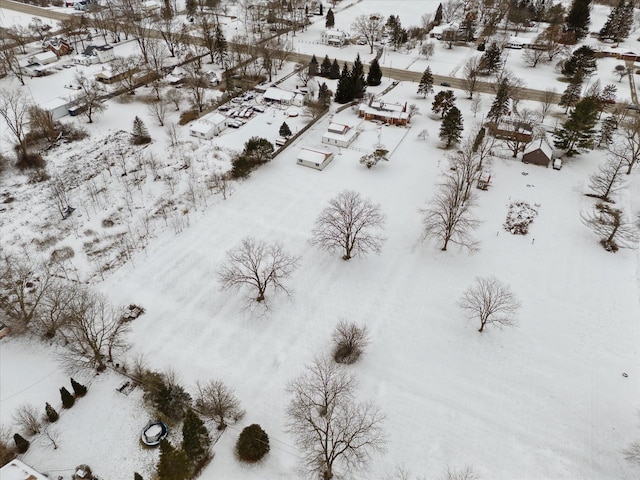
<point x="442" y="102"/>
<point x="313" y="67"/>
<point x="330" y="20"/>
<point x="334" y="71"/>
<point x="491" y="59"/>
<point x="190" y="7"/>
<point x="324" y="94"/>
<point x="173" y="464"/>
<point x="374" y="76"/>
<point x="344" y="92"/>
<point x="52" y="415"/>
<point x="320" y="8"/>
<point x="426" y="83"/>
<point x="195" y="437"/>
<point x="608" y="30"/>
<point x="500" y="105"/>
<point x="358" y="82"/>
<point x="166" y="11"/>
<point x="325" y="66"/>
<point x="67" y="398"/>
<point x="572" y="93"/>
<point x="437" y="19"/>
<point x="577" y="133"/>
<point x="253" y="443"/>
<point x="137" y="476"/>
<point x="607" y="128"/>
<point x="140" y="134"/>
<point x="220" y="45"/>
<point x="625" y="21"/>
<point x="582" y="62"/>
<point x="451" y="128"/>
<point x="22" y="444"/>
<point x="579" y="18"/>
<point x="284" y="131"/>
<point x="78" y="389"/>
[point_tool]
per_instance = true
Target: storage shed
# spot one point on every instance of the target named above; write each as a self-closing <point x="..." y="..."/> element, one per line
<point x="208" y="126"/>
<point x="538" y="153"/>
<point x="339" y="135"/>
<point x="17" y="470"/>
<point x="314" y="158"/>
<point x="58" y="107"/>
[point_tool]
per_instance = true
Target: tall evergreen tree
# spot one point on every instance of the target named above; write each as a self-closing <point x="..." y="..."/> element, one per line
<point x="579" y="18"/>
<point x="140" y="134"/>
<point x="618" y="24"/>
<point x="325" y="66"/>
<point x="190" y="7"/>
<point x="324" y="94"/>
<point x="79" y="389"/>
<point x="330" y="20"/>
<point x="374" y="76"/>
<point x="608" y="126"/>
<point x="220" y="46"/>
<point x="451" y="128"/>
<point x="137" y="476"/>
<point x="344" y="90"/>
<point x="195" y="437"/>
<point x="500" y="105"/>
<point x="284" y="131"/>
<point x="22" y="444"/>
<point x="577" y="133"/>
<point x="173" y="464"/>
<point x="582" y="62"/>
<point x="437" y="19"/>
<point x="426" y="83"/>
<point x="166" y="11"/>
<point x="313" y="66"/>
<point x="491" y="59"/>
<point x="52" y="415"/>
<point x="572" y="93"/>
<point x="334" y="71"/>
<point x="358" y="82"/>
<point x="442" y="102"/>
<point x="67" y="398"/>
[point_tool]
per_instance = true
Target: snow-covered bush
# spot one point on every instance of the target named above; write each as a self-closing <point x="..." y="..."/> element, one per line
<point x="519" y="217"/>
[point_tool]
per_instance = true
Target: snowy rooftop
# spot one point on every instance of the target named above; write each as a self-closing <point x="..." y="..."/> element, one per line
<point x="543" y="145"/>
<point x="201" y="126"/>
<point x="313" y="156"/>
<point x="278" y="94"/>
<point x="16" y="470"/>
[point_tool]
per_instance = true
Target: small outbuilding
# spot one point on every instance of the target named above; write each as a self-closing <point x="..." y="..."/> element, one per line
<point x="317" y="159"/>
<point x="44" y="58"/>
<point x="538" y="153"/>
<point x="336" y="38"/>
<point x="339" y="135"/>
<point x="59" y="107"/>
<point x="208" y="126"/>
<point x="17" y="470"/>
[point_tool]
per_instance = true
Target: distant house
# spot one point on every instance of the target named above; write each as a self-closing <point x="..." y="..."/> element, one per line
<point x="314" y="158"/>
<point x="95" y="54"/>
<point x="33" y="69"/>
<point x="391" y="113"/>
<point x="43" y="58"/>
<point x="517" y="43"/>
<point x="59" y="107"/>
<point x="16" y="470"/>
<point x="339" y="135"/>
<point x="538" y="153"/>
<point x="208" y="126"/>
<point x="284" y="97"/>
<point x="508" y="128"/>
<point x="335" y="38"/>
<point x="57" y="45"/>
<point x="108" y="76"/>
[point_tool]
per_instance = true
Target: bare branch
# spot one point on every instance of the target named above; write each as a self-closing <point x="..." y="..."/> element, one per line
<point x="491" y="302"/>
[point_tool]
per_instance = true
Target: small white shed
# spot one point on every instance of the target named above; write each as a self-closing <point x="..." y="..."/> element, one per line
<point x="44" y="58"/>
<point x="314" y="158"/>
<point x="58" y="107"/>
<point x="208" y="126"/>
<point x="339" y="135"/>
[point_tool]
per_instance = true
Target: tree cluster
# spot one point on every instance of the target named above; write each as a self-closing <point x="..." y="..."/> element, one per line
<point x="257" y="151"/>
<point x="352" y="83"/>
<point x="619" y="22"/>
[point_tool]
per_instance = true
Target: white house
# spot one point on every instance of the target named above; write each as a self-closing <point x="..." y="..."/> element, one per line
<point x="314" y="158"/>
<point x="44" y="58"/>
<point x="208" y="126"/>
<point x="58" y="107"/>
<point x="278" y="95"/>
<point x="16" y="470"/>
<point x="339" y="135"/>
<point x="336" y="38"/>
<point x="95" y="54"/>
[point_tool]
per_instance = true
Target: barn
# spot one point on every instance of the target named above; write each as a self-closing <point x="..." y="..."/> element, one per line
<point x="538" y="153"/>
<point x="317" y="159"/>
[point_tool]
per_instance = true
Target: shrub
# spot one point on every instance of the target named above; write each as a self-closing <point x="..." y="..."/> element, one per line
<point x="67" y="398"/>
<point x="349" y="341"/>
<point x="79" y="389"/>
<point x="166" y="395"/>
<point x="22" y="444"/>
<point x="188" y="116"/>
<point x="195" y="437"/>
<point x="253" y="443"/>
<point x="52" y="415"/>
<point x="28" y="418"/>
<point x="242" y="167"/>
<point x="140" y="134"/>
<point x="30" y="161"/>
<point x="137" y="476"/>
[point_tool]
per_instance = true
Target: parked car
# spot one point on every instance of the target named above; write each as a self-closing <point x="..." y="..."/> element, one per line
<point x="445" y="84"/>
<point x="557" y="164"/>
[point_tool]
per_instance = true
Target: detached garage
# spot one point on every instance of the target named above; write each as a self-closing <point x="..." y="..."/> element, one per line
<point x="538" y="153"/>
<point x="314" y="158"/>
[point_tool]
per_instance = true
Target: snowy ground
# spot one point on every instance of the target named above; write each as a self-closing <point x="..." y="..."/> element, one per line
<point x="545" y="399"/>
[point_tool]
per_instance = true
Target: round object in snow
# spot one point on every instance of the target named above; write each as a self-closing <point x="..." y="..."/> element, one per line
<point x="153" y="433"/>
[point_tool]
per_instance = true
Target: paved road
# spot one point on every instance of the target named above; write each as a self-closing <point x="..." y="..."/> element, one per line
<point x="395" y="73"/>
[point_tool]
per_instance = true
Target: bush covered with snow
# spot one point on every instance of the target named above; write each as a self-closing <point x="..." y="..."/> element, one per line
<point x="519" y="216"/>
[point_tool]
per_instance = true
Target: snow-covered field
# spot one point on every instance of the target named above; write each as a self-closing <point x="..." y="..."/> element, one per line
<point x="545" y="399"/>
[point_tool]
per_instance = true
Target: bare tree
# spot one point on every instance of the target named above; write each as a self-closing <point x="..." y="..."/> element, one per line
<point x="490" y="301"/>
<point x="547" y="100"/>
<point x="256" y="265"/>
<point x="158" y="110"/>
<point x="197" y="83"/>
<point x="611" y="226"/>
<point x="632" y="452"/>
<point x="56" y="308"/>
<point x="53" y="435"/>
<point x="466" y="473"/>
<point x="28" y="418"/>
<point x="59" y="194"/>
<point x="350" y="224"/>
<point x="626" y="144"/>
<point x="448" y="218"/>
<point x="9" y="62"/>
<point x="471" y="74"/>
<point x="534" y="56"/>
<point x="217" y="401"/>
<point x="23" y="285"/>
<point x="90" y="100"/>
<point x="14" y="110"/>
<point x="606" y="180"/>
<point x="335" y="433"/>
<point x="126" y="68"/>
<point x="349" y="342"/>
<point x="174" y="96"/>
<point x="452" y="10"/>
<point x="369" y="27"/>
<point x="221" y="182"/>
<point x="95" y="331"/>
